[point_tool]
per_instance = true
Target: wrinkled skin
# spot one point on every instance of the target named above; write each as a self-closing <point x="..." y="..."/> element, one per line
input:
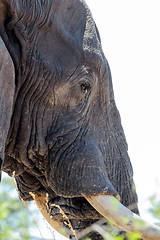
<point x="63" y="135"/>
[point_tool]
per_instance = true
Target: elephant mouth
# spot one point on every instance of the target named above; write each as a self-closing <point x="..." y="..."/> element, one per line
<point x="73" y="208"/>
<point x="67" y="215"/>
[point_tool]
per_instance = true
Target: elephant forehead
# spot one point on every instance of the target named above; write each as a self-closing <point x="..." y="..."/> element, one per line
<point x="63" y="33"/>
<point x="56" y="54"/>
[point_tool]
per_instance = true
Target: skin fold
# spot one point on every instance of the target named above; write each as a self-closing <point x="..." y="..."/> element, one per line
<point x="63" y="134"/>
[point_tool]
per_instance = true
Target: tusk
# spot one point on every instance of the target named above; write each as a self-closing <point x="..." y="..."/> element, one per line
<point x="113" y="210"/>
<point x="41" y="204"/>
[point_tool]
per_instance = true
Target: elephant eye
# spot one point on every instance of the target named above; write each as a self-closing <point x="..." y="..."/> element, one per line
<point x="85" y="87"/>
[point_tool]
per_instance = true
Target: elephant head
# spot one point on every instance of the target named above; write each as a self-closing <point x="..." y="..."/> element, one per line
<point x="60" y="130"/>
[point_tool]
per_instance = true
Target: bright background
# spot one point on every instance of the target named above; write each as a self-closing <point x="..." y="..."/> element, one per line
<point x="130" y="34"/>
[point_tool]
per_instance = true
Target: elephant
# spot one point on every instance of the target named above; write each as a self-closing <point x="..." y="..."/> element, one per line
<point x="60" y="130"/>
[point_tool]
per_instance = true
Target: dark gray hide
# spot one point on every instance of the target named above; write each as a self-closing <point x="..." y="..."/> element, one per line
<point x="65" y="137"/>
<point x="7" y="85"/>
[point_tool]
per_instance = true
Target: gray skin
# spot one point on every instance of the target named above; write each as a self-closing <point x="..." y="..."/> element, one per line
<point x="62" y="132"/>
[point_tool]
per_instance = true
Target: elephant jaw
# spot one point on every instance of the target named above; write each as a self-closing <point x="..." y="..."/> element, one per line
<point x="111" y="209"/>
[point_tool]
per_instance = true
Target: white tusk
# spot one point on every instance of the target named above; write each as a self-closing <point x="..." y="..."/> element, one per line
<point x="113" y="210"/>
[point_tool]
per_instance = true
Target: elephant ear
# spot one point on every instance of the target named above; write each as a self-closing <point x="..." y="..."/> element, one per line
<point x="7" y="87"/>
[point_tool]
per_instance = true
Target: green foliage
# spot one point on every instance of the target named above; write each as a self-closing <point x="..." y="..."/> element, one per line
<point x="119" y="238"/>
<point x="14" y="220"/>
<point x="133" y="236"/>
<point x="155" y="210"/>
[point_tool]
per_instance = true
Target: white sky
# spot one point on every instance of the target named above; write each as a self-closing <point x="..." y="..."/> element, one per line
<point x="130" y="34"/>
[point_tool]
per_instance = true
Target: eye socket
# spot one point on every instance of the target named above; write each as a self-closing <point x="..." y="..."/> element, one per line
<point x="85" y="87"/>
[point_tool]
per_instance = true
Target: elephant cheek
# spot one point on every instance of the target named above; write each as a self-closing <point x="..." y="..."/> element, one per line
<point x="83" y="175"/>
